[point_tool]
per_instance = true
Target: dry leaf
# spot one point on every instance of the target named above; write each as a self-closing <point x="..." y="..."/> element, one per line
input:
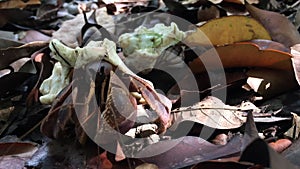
<point x="211" y="112"/>
<point x="20" y="149"/>
<point x="234" y="55"/>
<point x="188" y="150"/>
<point x="227" y="30"/>
<point x="224" y="165"/>
<point x="235" y="1"/>
<point x="280" y="145"/>
<point x="70" y="30"/>
<point x="268" y="82"/>
<point x="294" y="131"/>
<point x="18" y="3"/>
<point x="12" y="54"/>
<point x="33" y="35"/>
<point x="147" y="166"/>
<point x="279" y="27"/>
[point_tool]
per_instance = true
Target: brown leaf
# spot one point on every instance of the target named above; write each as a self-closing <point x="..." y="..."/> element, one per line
<point x="33" y="35"/>
<point x="70" y="30"/>
<point x="7" y="42"/>
<point x="59" y="115"/>
<point x="227" y="30"/>
<point x="12" y="54"/>
<point x="280" y="145"/>
<point x="21" y="149"/>
<point x="211" y="112"/>
<point x="44" y="66"/>
<point x="18" y="3"/>
<point x="224" y="165"/>
<point x="187" y="150"/>
<point x="279" y="27"/>
<point x="234" y="55"/>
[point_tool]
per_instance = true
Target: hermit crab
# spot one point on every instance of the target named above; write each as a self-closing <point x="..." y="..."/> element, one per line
<point x="94" y="83"/>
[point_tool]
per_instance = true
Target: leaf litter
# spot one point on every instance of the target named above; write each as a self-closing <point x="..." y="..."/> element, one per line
<point x="258" y="49"/>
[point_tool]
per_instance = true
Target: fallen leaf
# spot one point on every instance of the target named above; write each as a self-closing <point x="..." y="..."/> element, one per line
<point x="234" y="55"/>
<point x="33" y="35"/>
<point x="12" y="54"/>
<point x="186" y="151"/>
<point x="224" y="165"/>
<point x="250" y="133"/>
<point x="279" y="27"/>
<point x="211" y="112"/>
<point x="227" y="30"/>
<point x="294" y="131"/>
<point x="235" y="1"/>
<point x="208" y="13"/>
<point x="269" y="44"/>
<point x="70" y="30"/>
<point x="147" y="166"/>
<point x="18" y="3"/>
<point x="268" y="82"/>
<point x="280" y="145"/>
<point x="20" y="149"/>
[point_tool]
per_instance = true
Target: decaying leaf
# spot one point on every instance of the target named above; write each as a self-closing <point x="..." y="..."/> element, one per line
<point x="294" y="131"/>
<point x="147" y="166"/>
<point x="224" y="165"/>
<point x="12" y="54"/>
<point x="18" y="3"/>
<point x="211" y="112"/>
<point x="235" y="1"/>
<point x="71" y="29"/>
<point x="279" y="27"/>
<point x="21" y="149"/>
<point x="188" y="150"/>
<point x="234" y="55"/>
<point x="227" y="30"/>
<point x="268" y="82"/>
<point x="280" y="145"/>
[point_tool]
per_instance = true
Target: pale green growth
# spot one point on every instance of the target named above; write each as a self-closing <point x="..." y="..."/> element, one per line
<point x="68" y="58"/>
<point x="143" y="47"/>
<point x="78" y="57"/>
<point x="54" y="84"/>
